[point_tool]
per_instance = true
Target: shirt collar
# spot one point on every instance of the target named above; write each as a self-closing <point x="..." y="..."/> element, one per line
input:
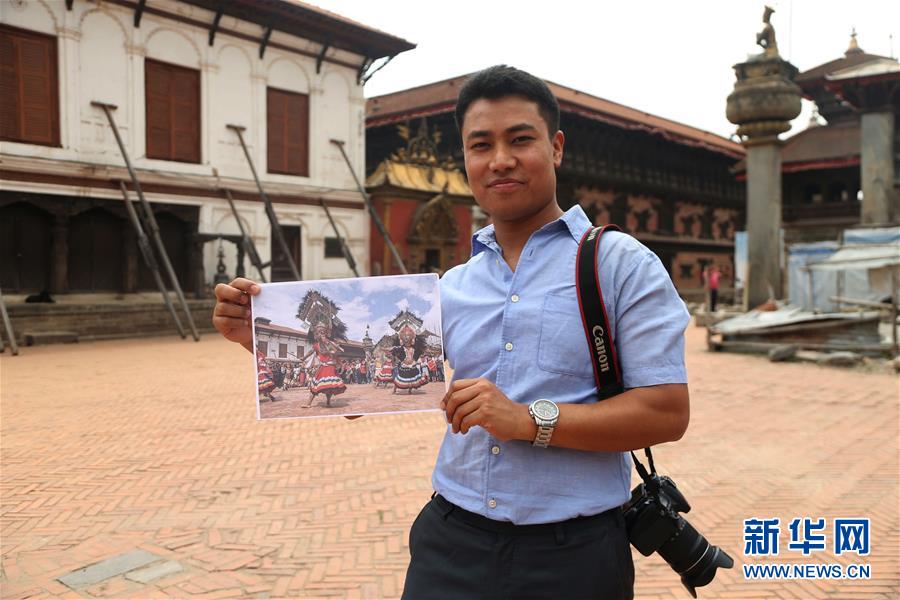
<point x="573" y="220"/>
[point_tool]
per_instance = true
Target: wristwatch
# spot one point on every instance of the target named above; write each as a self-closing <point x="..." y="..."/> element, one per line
<point x="545" y="414"/>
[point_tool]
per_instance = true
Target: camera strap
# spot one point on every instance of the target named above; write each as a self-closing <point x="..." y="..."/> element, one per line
<point x="607" y="372"/>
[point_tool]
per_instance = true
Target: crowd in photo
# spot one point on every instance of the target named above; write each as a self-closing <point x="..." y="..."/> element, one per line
<point x="285" y="375"/>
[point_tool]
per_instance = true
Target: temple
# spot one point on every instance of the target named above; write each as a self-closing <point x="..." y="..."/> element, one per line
<point x="822" y="187"/>
<point x="668" y="184"/>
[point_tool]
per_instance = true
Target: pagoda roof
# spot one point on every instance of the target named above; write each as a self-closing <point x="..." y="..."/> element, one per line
<point x="819" y="147"/>
<point x="879" y="68"/>
<point x="421" y="178"/>
<point x="440" y="97"/>
<point x="816" y="75"/>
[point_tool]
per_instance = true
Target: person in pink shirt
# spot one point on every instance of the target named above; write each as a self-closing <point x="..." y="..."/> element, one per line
<point x="712" y="285"/>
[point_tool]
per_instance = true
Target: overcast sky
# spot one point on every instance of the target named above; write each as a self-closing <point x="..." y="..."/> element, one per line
<point x="371" y="301"/>
<point x="666" y="57"/>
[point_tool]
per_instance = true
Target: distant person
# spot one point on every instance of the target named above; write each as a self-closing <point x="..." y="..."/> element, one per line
<point x="711" y="279"/>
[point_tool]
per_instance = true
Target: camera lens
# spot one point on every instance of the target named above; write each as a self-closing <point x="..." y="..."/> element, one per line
<point x="693" y="557"/>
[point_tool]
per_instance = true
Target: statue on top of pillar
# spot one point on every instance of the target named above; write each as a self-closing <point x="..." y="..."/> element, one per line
<point x="766" y="37"/>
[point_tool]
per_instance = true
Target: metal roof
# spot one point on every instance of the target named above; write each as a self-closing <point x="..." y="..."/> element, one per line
<point x="861" y="256"/>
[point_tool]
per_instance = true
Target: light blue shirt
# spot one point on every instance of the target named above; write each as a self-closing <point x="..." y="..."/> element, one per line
<point x="522" y="330"/>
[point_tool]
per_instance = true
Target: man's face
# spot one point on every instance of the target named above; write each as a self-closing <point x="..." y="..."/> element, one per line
<point x="510" y="157"/>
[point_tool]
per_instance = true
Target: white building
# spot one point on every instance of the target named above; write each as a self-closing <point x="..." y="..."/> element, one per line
<point x="278" y="342"/>
<point x="179" y="71"/>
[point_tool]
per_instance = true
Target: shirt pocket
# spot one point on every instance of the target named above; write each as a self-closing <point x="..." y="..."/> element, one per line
<point x="562" y="347"/>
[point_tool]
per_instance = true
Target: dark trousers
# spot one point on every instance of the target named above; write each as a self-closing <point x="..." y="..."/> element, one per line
<point x="713" y="297"/>
<point x="455" y="554"/>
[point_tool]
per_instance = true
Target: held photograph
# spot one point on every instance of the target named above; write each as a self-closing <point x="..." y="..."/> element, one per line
<point x="345" y="347"/>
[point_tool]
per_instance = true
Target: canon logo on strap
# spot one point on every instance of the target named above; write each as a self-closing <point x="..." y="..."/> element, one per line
<point x="600" y="348"/>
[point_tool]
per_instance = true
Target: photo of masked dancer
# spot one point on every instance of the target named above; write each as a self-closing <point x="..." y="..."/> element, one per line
<point x="264" y="378"/>
<point x="325" y="380"/>
<point x="409" y="373"/>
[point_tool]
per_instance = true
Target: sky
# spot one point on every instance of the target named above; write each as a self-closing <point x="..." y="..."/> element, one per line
<point x="371" y="301"/>
<point x="670" y="58"/>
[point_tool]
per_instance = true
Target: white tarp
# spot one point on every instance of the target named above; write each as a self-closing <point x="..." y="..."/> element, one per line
<point x="860" y="268"/>
<point x="806" y="289"/>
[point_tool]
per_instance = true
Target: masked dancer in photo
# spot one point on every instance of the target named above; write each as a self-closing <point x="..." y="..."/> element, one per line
<point x="325" y="379"/>
<point x="409" y="373"/>
<point x="264" y="378"/>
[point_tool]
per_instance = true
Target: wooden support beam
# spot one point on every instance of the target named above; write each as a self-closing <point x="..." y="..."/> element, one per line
<point x="139" y="12"/>
<point x="214" y="26"/>
<point x="321" y="57"/>
<point x="265" y="41"/>
<point x="366" y="63"/>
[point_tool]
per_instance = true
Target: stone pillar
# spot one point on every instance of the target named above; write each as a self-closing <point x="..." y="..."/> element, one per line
<point x="763" y="223"/>
<point x="877" y="167"/>
<point x="763" y="102"/>
<point x="59" y="257"/>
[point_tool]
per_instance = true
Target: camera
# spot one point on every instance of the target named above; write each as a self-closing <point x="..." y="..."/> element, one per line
<point x="654" y="525"/>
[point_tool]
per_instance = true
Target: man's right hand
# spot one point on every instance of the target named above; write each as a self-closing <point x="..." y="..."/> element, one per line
<point x="232" y="316"/>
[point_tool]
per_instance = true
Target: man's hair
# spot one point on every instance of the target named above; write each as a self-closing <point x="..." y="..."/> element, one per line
<point x="501" y="81"/>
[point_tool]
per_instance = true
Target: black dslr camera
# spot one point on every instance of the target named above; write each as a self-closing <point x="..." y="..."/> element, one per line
<point x="654" y="525"/>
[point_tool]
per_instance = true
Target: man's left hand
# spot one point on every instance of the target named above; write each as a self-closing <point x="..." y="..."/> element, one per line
<point x="471" y="402"/>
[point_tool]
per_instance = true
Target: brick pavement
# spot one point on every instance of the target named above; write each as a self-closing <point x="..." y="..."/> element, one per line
<point x="112" y="447"/>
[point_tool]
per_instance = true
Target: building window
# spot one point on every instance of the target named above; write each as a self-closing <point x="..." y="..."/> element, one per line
<point x="287" y="132"/>
<point x="333" y="248"/>
<point x="173" y="112"/>
<point x="282" y="350"/>
<point x="29" y="110"/>
<point x="263" y="347"/>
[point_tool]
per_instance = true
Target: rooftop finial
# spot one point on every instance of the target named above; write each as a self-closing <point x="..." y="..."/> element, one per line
<point x="853" y="48"/>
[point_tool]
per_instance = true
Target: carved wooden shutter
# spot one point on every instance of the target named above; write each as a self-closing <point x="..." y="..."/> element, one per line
<point x="29" y="111"/>
<point x="186" y="115"/>
<point x="173" y="112"/>
<point x="275" y="131"/>
<point x="287" y="118"/>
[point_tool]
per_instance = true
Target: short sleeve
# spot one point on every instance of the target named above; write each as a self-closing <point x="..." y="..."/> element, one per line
<point x="650" y="323"/>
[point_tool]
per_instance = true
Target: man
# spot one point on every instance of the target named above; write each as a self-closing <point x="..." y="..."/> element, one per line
<point x="515" y="515"/>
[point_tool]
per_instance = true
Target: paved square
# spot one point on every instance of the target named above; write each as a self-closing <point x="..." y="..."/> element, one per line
<point x="113" y="447"/>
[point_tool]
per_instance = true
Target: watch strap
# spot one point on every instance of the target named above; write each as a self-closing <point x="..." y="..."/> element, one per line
<point x="544" y="433"/>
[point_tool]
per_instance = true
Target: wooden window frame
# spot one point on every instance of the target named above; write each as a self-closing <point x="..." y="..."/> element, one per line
<point x="53" y="100"/>
<point x="170" y="156"/>
<point x="279" y="164"/>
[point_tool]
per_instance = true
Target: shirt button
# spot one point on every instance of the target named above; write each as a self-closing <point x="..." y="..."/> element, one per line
<point x="492" y="503"/>
<point x="508" y="346"/>
<point x="495" y="450"/>
<point x="514" y="298"/>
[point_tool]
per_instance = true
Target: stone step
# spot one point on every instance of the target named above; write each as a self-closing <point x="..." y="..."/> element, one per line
<point x="34" y="338"/>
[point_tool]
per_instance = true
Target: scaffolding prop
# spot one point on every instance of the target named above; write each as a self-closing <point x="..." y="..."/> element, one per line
<point x="149" y="259"/>
<point x="7" y="325"/>
<point x="149" y="218"/>
<point x="247" y="241"/>
<point x="375" y="218"/>
<point x="345" y="249"/>
<point x="270" y="212"/>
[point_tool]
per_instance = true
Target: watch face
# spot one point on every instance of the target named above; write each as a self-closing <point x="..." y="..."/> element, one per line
<point x="545" y="410"/>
